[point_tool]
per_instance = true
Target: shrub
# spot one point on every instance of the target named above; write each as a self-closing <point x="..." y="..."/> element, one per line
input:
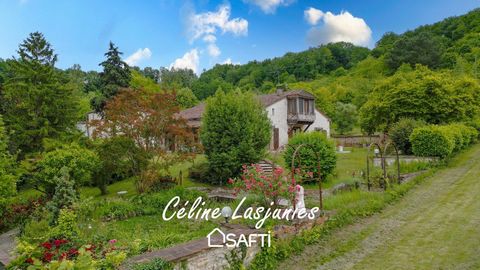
<point x="456" y="134"/>
<point x="65" y="194"/>
<point x="199" y="172"/>
<point x="118" y="210"/>
<point x="17" y="213"/>
<point x="120" y="158"/>
<point x="65" y="254"/>
<point x="150" y="180"/>
<point x="314" y="142"/>
<point x="66" y="226"/>
<point x="432" y="141"/>
<point x="81" y="164"/>
<point x="8" y="181"/>
<point x="235" y="131"/>
<point x="156" y="202"/>
<point x="400" y="133"/>
<point x="270" y="187"/>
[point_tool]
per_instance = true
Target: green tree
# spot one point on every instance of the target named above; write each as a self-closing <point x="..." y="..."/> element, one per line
<point x="120" y="158"/>
<point x="115" y="75"/>
<point x="65" y="194"/>
<point x="422" y="94"/>
<point x="424" y="48"/>
<point x="186" y="98"/>
<point x="400" y="133"/>
<point x="345" y="117"/>
<point x="37" y="100"/>
<point x="80" y="162"/>
<point x="8" y="181"/>
<point x="314" y="142"/>
<point x="235" y="130"/>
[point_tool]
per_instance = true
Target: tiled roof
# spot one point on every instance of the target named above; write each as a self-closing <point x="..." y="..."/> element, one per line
<point x="195" y="113"/>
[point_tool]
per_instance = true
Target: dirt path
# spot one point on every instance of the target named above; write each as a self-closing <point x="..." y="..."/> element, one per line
<point x="435" y="226"/>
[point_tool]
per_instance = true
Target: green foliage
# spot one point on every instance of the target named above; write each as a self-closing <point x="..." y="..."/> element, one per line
<point x="425" y="49"/>
<point x="235" y="131"/>
<point x="155" y="264"/>
<point x="186" y="98"/>
<point x="138" y="81"/>
<point x="65" y="193"/>
<point x="66" y="226"/>
<point x="314" y="142"/>
<point x="432" y="141"/>
<point x="81" y="163"/>
<point x="120" y="158"/>
<point x="345" y="117"/>
<point x="400" y="133"/>
<point x="115" y="76"/>
<point x="118" y="210"/>
<point x="199" y="172"/>
<point x="442" y="141"/>
<point x="36" y="99"/>
<point x="286" y="69"/>
<point x="422" y="94"/>
<point x="8" y="181"/>
<point x="176" y="78"/>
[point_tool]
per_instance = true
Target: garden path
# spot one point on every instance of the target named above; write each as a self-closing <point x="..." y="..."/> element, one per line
<point x="435" y="226"/>
<point x="7" y="245"/>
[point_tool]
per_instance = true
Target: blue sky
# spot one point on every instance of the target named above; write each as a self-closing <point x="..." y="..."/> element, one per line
<point x="199" y="34"/>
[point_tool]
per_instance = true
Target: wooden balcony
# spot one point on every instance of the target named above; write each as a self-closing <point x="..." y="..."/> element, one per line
<point x="300" y="118"/>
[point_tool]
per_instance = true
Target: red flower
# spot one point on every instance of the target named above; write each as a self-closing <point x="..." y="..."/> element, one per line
<point x="73" y="251"/>
<point x="47" y="256"/>
<point x="47" y="245"/>
<point x="29" y="261"/>
<point x="230" y="181"/>
<point x="59" y="242"/>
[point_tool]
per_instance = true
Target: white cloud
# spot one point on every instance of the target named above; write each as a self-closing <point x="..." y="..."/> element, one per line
<point x="189" y="60"/>
<point x="210" y="38"/>
<point x="139" y="55"/>
<point x="208" y="23"/>
<point x="313" y="15"/>
<point x="340" y="27"/>
<point x="269" y="6"/>
<point x="213" y="50"/>
<point x="228" y="61"/>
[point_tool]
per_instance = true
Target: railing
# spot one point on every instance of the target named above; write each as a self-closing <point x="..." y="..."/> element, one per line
<point x="300" y="118"/>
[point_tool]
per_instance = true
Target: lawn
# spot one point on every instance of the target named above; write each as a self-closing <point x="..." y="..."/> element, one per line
<point x="434" y="226"/>
<point x="347" y="165"/>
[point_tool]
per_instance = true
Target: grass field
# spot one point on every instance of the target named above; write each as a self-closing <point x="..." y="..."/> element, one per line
<point x="435" y="226"/>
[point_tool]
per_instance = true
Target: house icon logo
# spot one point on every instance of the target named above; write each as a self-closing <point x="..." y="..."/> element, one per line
<point x="212" y="234"/>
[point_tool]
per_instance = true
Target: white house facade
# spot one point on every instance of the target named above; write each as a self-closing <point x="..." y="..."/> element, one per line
<point x="289" y="112"/>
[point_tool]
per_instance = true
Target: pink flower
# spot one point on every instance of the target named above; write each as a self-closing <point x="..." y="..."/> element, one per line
<point x="113" y="241"/>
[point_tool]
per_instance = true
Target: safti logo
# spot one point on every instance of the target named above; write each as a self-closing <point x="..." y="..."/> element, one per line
<point x="234" y="240"/>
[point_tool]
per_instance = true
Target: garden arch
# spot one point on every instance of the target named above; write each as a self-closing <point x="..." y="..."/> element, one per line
<point x="383" y="163"/>
<point x="296" y="154"/>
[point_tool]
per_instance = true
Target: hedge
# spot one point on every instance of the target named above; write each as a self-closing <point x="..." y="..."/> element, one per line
<point x="442" y="141"/>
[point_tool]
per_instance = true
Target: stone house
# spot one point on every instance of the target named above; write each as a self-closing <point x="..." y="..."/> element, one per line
<point x="288" y="111"/>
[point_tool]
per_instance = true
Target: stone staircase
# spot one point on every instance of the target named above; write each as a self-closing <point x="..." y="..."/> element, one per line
<point x="267" y="166"/>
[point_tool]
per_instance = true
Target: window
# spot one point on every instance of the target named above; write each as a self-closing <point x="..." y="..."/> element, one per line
<point x="300" y="105"/>
<point x="312" y="106"/>
<point x="292" y="106"/>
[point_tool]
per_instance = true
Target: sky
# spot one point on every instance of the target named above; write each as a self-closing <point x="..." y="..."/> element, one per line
<point x="199" y="34"/>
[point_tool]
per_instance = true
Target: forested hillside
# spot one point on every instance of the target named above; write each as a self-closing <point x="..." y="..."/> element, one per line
<point x="355" y="86"/>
